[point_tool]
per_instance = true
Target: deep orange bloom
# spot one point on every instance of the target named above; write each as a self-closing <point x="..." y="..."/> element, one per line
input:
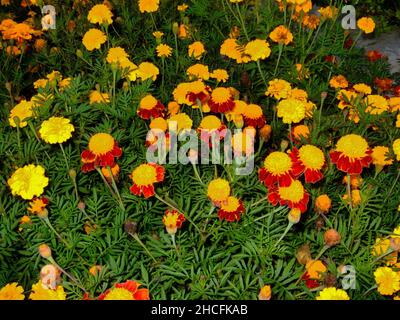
<point x="294" y="196"/>
<point x="150" y="107"/>
<point x="374" y="55"/>
<point x="221" y="100"/>
<point x="231" y="210"/>
<point x="144" y="177"/>
<point x="308" y="160"/>
<point x="383" y="84"/>
<point x="128" y="290"/>
<point x="277" y="169"/>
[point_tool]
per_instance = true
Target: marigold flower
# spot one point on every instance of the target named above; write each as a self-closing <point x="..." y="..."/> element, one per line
<point x="265" y="293"/>
<point x="380" y="156"/>
<point x="339" y="81"/>
<point x="311" y="21"/>
<point x="116" y="55"/>
<point x="102" y="151"/>
<point x="93" y="39"/>
<point x="94" y="270"/>
<point x="40" y="292"/>
<point x="38" y="205"/>
<point x="231" y="209"/>
<point x="332" y="238"/>
<point x="114" y="172"/>
<point x="233" y="50"/>
<point x="376" y="104"/>
<point x="388" y="281"/>
<point x="199" y="71"/>
<point x="144" y="177"/>
<point x="218" y="191"/>
<point x="128" y="290"/>
<point x="294" y="196"/>
<point x="221" y="75"/>
<point x="355" y="197"/>
<point x="196" y="50"/>
<point x="257" y="49"/>
<point x="265" y="132"/>
<point x="221" y="100"/>
<point x="352" y="154"/>
<point x="374" y="55"/>
<point x="315" y="269"/>
<point x="209" y="125"/>
<point x="147" y="70"/>
<point x="18" y="32"/>
<point x="100" y="14"/>
<point x="56" y="130"/>
<point x="366" y="24"/>
<point x="28" y="181"/>
<point x="277" y="169"/>
<point x="355" y="180"/>
<point x="281" y="35"/>
<point x="362" y="88"/>
<point x="148" y="5"/>
<point x="332" y="293"/>
<point x="291" y="110"/>
<point x="278" y="88"/>
<point x="308" y="160"/>
<point x="12" y="291"/>
<point x="98" y="97"/>
<point x="173" y="220"/>
<point x="180" y="121"/>
<point x="150" y="107"/>
<point x="163" y="50"/>
<point x="182" y="7"/>
<point x="23" y="111"/>
<point x="323" y="204"/>
<point x="253" y="116"/>
<point x="300" y="132"/>
<point x="396" y="148"/>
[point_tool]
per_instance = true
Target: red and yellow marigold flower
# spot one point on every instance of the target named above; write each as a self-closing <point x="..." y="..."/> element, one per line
<point x="150" y="107"/>
<point x="144" y="177"/>
<point x="352" y="154"/>
<point x="231" y="210"/>
<point x="173" y="221"/>
<point x="221" y="100"/>
<point x="128" y="290"/>
<point x="253" y="116"/>
<point x="210" y="125"/>
<point x="102" y="151"/>
<point x="294" y="196"/>
<point x="218" y="191"/>
<point x="308" y="160"/>
<point x="277" y="169"/>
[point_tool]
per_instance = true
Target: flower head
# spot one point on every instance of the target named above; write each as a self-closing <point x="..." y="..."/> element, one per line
<point x="277" y="169"/>
<point x="12" y="291"/>
<point x="253" y="116"/>
<point x="380" y="156"/>
<point x="173" y="220"/>
<point x="278" y="88"/>
<point x="144" y="177"/>
<point x="291" y="110"/>
<point x="100" y="14"/>
<point x="323" y="204"/>
<point x="41" y="292"/>
<point x="148" y="5"/>
<point x="281" y="35"/>
<point x="147" y="70"/>
<point x="98" y="97"/>
<point x="231" y="209"/>
<point x="56" y="130"/>
<point x="396" y="148"/>
<point x="128" y="290"/>
<point x="150" y="107"/>
<point x="332" y="293"/>
<point x="93" y="39"/>
<point x="388" y="281"/>
<point x="308" y="160"/>
<point x="294" y="196"/>
<point x="23" y="111"/>
<point x="257" y="49"/>
<point x="163" y="50"/>
<point x="179" y="122"/>
<point x="102" y="151"/>
<point x="218" y="191"/>
<point x="352" y="154"/>
<point x="196" y="50"/>
<point x="221" y="75"/>
<point x="28" y="181"/>
<point x="221" y="100"/>
<point x="265" y="293"/>
<point x="38" y="205"/>
<point x="366" y="24"/>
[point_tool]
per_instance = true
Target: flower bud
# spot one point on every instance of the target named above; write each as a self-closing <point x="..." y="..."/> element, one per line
<point x="294" y="215"/>
<point x="79" y="53"/>
<point x="265" y="132"/>
<point x="43" y="213"/>
<point x="332" y="237"/>
<point x="303" y="254"/>
<point x="284" y="145"/>
<point x="395" y="244"/>
<point x="130" y="227"/>
<point x="265" y="293"/>
<point x="72" y="173"/>
<point x="94" y="270"/>
<point x="323" y="204"/>
<point x="175" y="28"/>
<point x="44" y="251"/>
<point x="81" y="205"/>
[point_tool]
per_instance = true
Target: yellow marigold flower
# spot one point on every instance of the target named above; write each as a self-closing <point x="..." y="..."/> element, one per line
<point x="54" y="76"/>
<point x="56" y="130"/>
<point x="396" y="148"/>
<point x="100" y="14"/>
<point x="158" y="35"/>
<point x="12" y="291"/>
<point x="180" y="121"/>
<point x="355" y="197"/>
<point x="366" y="24"/>
<point x="396" y="233"/>
<point x="159" y="123"/>
<point x="233" y="50"/>
<point x="339" y="82"/>
<point x="182" y="7"/>
<point x="300" y="131"/>
<point x="376" y="104"/>
<point x="163" y="50"/>
<point x="265" y="293"/>
<point x="323" y="204"/>
<point x="196" y="50"/>
<point x="236" y="1"/>
<point x="394" y="104"/>
<point x="38" y="206"/>
<point x="362" y="88"/>
<point x="278" y="88"/>
<point x="381" y="247"/>
<point x="315" y="269"/>
<point x="221" y="75"/>
<point x="257" y="49"/>
<point x="64" y="83"/>
<point x="116" y="55"/>
<point x="332" y="293"/>
<point x="281" y="35"/>
<point x="199" y="71"/>
<point x="311" y="21"/>
<point x="40" y="83"/>
<point x="25" y="220"/>
<point x="380" y="156"/>
<point x="291" y="110"/>
<point x="147" y="70"/>
<point x="388" y="281"/>
<point x="98" y="97"/>
<point x="40" y="292"/>
<point x="218" y="191"/>
<point x="28" y="181"/>
<point x="148" y="5"/>
<point x="328" y="12"/>
<point x="294" y="192"/>
<point x="93" y="39"/>
<point x="23" y="111"/>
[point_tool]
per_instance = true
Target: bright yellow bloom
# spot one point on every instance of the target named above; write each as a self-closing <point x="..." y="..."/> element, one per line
<point x="148" y="5"/>
<point x="12" y="291"/>
<point x="56" y="130"/>
<point x="218" y="190"/>
<point x="116" y="55"/>
<point x="376" y="104"/>
<point x="396" y="148"/>
<point x="100" y="14"/>
<point x="339" y="82"/>
<point x="278" y="88"/>
<point x="93" y="39"/>
<point x="257" y="49"/>
<point x="98" y="97"/>
<point x="40" y="292"/>
<point x="196" y="50"/>
<point x="147" y="70"/>
<point x="291" y="110"/>
<point x="199" y="71"/>
<point x="221" y="75"/>
<point x="23" y="111"/>
<point x="180" y="121"/>
<point x="28" y="181"/>
<point x="332" y="294"/>
<point x="380" y="155"/>
<point x="315" y="269"/>
<point x="294" y="193"/>
<point x="362" y="88"/>
<point x="366" y="24"/>
<point x="388" y="281"/>
<point x="163" y="50"/>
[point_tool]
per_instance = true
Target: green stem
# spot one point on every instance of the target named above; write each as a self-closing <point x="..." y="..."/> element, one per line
<point x="75" y="281"/>
<point x="136" y="237"/>
<point x="279" y="58"/>
<point x="105" y="181"/>
<point x="65" y="156"/>
<point x="242" y="22"/>
<point x="261" y="73"/>
<point x="47" y="221"/>
<point x="196" y="173"/>
<point x="115" y="188"/>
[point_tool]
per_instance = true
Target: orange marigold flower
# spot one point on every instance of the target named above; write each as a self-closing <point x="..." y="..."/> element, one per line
<point x="114" y="172"/>
<point x="339" y="82"/>
<point x="366" y="24"/>
<point x="265" y="293"/>
<point x="384" y="84"/>
<point x="199" y="71"/>
<point x="38" y="205"/>
<point x="355" y="197"/>
<point x="281" y="35"/>
<point x="196" y="50"/>
<point x="277" y="169"/>
<point x="100" y="14"/>
<point x="221" y="100"/>
<point x="231" y="210"/>
<point x="128" y="290"/>
<point x="150" y="107"/>
<point x="253" y="116"/>
<point x="380" y="156"/>
<point x="148" y="5"/>
<point x="102" y="151"/>
<point x="221" y="75"/>
<point x="294" y="196"/>
<point x="163" y="50"/>
<point x="352" y="154"/>
<point x="308" y="160"/>
<point x="257" y="49"/>
<point x="355" y="180"/>
<point x="173" y="221"/>
<point x="144" y="177"/>
<point x="323" y="204"/>
<point x="93" y="39"/>
<point x="210" y="125"/>
<point x="300" y="132"/>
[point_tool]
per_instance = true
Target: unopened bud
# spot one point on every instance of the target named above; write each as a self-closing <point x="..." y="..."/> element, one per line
<point x="395" y="244"/>
<point x="332" y="237"/>
<point x="130" y="227"/>
<point x="72" y="173"/>
<point x="303" y="254"/>
<point x="175" y="28"/>
<point x="265" y="132"/>
<point x="294" y="215"/>
<point x="79" y="53"/>
<point x="9" y="86"/>
<point x="324" y="94"/>
<point x="81" y="205"/>
<point x="265" y="293"/>
<point x="284" y="145"/>
<point x="44" y="251"/>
